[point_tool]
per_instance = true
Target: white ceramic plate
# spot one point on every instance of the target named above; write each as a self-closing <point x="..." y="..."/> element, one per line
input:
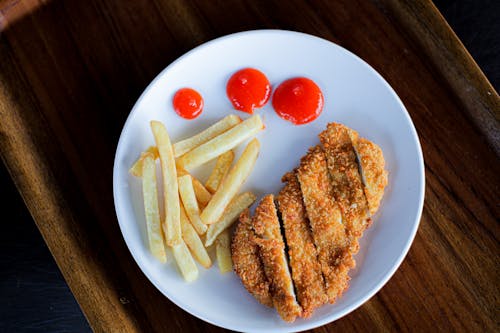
<point x="355" y="95"/>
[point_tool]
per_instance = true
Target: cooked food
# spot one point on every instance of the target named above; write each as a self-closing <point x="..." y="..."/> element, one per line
<point x="272" y="252"/>
<point x="193" y="241"/>
<point x="346" y="181"/>
<point x="223" y="252"/>
<point x="231" y="213"/>
<point x="150" y="195"/>
<point x="220" y="170"/>
<point x="201" y="193"/>
<point x="185" y="261"/>
<point x="328" y="232"/>
<point x="231" y="184"/>
<point x="188" y="198"/>
<point x="189" y="207"/>
<point x="170" y="188"/>
<point x="136" y="169"/>
<point x="372" y="164"/>
<point x="221" y="143"/>
<point x="324" y="207"/>
<point x="246" y="260"/>
<point x="304" y="264"/>
<point x="295" y="253"/>
<point x="182" y="147"/>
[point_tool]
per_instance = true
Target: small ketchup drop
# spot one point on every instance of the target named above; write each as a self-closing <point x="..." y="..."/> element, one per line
<point x="298" y="100"/>
<point x="247" y="89"/>
<point x="188" y="103"/>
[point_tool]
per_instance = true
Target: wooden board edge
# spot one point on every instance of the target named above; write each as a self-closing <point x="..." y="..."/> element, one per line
<point x="28" y="151"/>
<point x="13" y="10"/>
<point x="424" y="25"/>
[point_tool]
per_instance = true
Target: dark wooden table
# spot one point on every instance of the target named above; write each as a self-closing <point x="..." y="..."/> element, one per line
<point x="70" y="71"/>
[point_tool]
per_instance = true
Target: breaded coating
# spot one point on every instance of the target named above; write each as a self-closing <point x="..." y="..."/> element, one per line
<point x="329" y="233"/>
<point x="325" y="206"/>
<point x="346" y="181"/>
<point x="246" y="260"/>
<point x="304" y="264"/>
<point x="372" y="168"/>
<point x="272" y="251"/>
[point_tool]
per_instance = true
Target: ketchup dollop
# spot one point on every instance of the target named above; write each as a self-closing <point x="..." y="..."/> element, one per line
<point x="188" y="103"/>
<point x="298" y="100"/>
<point x="247" y="89"/>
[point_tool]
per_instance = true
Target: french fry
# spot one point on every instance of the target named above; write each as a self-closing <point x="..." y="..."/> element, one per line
<point x="193" y="241"/>
<point x="201" y="193"/>
<point x="182" y="147"/>
<point x="230" y="185"/>
<point x="150" y="194"/>
<point x="136" y="169"/>
<point x="170" y="187"/>
<point x="220" y="170"/>
<point x="223" y="252"/>
<point x="185" y="261"/>
<point x="190" y="204"/>
<point x="231" y="213"/>
<point x="221" y="143"/>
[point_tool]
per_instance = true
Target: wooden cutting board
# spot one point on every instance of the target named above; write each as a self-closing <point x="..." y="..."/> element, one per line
<point x="70" y="72"/>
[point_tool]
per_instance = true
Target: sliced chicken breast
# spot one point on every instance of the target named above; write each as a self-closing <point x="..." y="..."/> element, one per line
<point x="325" y="206"/>
<point x="304" y="263"/>
<point x="374" y="175"/>
<point x="272" y="251"/>
<point x="329" y="234"/>
<point x="346" y="181"/>
<point x="246" y="260"/>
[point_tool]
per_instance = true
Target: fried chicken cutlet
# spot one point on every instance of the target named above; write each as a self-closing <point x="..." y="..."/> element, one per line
<point x="272" y="251"/>
<point x="328" y="232"/>
<point x="324" y="207"/>
<point x="246" y="260"/>
<point x="304" y="264"/>
<point x="372" y="166"/>
<point x="346" y="181"/>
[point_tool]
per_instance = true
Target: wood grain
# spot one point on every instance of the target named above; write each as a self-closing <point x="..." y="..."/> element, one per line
<point x="423" y="23"/>
<point x="71" y="71"/>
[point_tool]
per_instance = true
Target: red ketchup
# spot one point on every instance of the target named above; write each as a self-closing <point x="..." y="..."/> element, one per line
<point x="298" y="100"/>
<point x="248" y="89"/>
<point x="188" y="103"/>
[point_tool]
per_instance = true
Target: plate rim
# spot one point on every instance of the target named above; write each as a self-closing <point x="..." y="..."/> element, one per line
<point x="308" y="324"/>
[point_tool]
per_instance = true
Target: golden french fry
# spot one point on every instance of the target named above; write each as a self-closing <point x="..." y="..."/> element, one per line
<point x="185" y="261"/>
<point x="223" y="252"/>
<point x="221" y="143"/>
<point x="136" y="169"/>
<point x="231" y="213"/>
<point x="170" y="187"/>
<point x="182" y="147"/>
<point x="201" y="193"/>
<point x="220" y="170"/>
<point x="230" y="185"/>
<point x="190" y="204"/>
<point x="193" y="241"/>
<point x="150" y="194"/>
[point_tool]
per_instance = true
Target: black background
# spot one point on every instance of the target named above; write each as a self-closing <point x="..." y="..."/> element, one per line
<point x="33" y="294"/>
